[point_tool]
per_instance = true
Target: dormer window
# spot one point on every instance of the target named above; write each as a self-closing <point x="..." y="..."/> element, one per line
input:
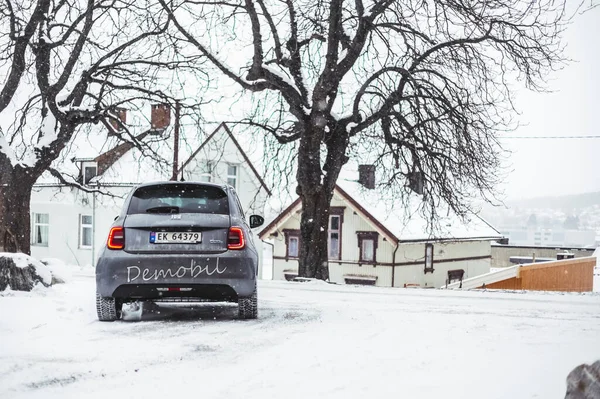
<point x="90" y="170"/>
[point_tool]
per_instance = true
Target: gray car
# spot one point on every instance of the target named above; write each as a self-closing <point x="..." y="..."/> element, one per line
<point x="179" y="241"/>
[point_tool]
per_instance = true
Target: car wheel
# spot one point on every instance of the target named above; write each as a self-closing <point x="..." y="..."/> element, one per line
<point x="248" y="307"/>
<point x="108" y="309"/>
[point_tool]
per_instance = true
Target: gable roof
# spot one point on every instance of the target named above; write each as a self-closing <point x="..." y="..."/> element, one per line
<point x="287" y="212"/>
<point x="394" y="227"/>
<point x="239" y="148"/>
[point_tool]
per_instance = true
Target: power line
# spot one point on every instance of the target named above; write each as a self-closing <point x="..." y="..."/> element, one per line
<point x="549" y="137"/>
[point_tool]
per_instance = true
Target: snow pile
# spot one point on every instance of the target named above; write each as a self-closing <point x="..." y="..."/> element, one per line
<point x="21" y="272"/>
<point x="61" y="273"/>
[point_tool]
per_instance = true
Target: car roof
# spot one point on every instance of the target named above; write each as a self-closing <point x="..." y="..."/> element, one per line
<point x="169" y="182"/>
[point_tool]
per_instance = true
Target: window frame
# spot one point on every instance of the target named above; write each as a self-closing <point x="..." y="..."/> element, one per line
<point x="141" y="197"/>
<point x="34" y="224"/>
<point x="83" y="226"/>
<point x="426" y="261"/>
<point x="335" y="211"/>
<point x="235" y="176"/>
<point x="291" y="233"/>
<point x="85" y="168"/>
<point x="367" y="236"/>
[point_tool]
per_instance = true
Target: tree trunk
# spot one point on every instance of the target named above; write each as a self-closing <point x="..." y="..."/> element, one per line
<point x="15" y="195"/>
<point x="313" y="260"/>
<point x="315" y="189"/>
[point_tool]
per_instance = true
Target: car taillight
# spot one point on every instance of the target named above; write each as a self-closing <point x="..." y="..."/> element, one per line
<point x="235" y="239"/>
<point x="116" y="238"/>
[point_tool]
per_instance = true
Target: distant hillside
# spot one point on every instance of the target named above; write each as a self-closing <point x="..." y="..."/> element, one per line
<point x="563" y="202"/>
<point x="575" y="212"/>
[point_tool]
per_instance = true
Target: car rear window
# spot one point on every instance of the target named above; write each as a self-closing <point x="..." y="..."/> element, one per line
<point x="179" y="198"/>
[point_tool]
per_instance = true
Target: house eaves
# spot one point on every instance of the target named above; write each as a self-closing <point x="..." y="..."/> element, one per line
<point x="281" y="218"/>
<point x="287" y="213"/>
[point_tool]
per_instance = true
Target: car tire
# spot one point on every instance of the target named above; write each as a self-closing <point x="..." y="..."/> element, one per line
<point x="248" y="307"/>
<point x="108" y="309"/>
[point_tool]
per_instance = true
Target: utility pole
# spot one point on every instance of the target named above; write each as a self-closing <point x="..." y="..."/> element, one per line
<point x="176" y="142"/>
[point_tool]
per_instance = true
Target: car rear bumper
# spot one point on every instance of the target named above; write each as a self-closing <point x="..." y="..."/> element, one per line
<point x="227" y="276"/>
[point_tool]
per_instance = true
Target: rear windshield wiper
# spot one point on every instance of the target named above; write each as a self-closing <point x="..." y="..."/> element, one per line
<point x="163" y="209"/>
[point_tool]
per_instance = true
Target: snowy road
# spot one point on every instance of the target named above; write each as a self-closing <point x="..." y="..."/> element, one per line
<point x="312" y="340"/>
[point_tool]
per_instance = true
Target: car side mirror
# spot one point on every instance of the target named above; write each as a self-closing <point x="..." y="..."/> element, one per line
<point x="256" y="221"/>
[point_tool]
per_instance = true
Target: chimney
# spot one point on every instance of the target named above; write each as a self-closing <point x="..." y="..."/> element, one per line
<point x="366" y="176"/>
<point x="121" y="119"/>
<point x="416" y="181"/>
<point x="176" y="143"/>
<point x="160" y="118"/>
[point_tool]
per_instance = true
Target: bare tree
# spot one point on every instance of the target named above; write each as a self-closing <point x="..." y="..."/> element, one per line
<point x="64" y="65"/>
<point x="422" y="88"/>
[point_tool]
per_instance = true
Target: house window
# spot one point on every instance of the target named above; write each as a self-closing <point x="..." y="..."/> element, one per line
<point x="89" y="172"/>
<point x="85" y="231"/>
<point x="367" y="244"/>
<point x="334" y="233"/>
<point x="232" y="171"/>
<point x="334" y="236"/>
<point x="292" y="243"/>
<point x="368" y="252"/>
<point x="206" y="172"/>
<point x="39" y="231"/>
<point x="428" y="257"/>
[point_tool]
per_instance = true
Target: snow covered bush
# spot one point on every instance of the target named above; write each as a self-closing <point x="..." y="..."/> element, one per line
<point x="21" y="272"/>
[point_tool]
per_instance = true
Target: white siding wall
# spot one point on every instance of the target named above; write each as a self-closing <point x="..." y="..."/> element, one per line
<point x="415" y="252"/>
<point x="222" y="151"/>
<point x="407" y="253"/>
<point x="64" y="207"/>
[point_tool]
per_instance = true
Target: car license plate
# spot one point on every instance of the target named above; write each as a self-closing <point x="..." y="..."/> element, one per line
<point x="175" y="237"/>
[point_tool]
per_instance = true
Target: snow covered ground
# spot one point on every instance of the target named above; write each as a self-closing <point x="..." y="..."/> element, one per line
<point x="311" y="341"/>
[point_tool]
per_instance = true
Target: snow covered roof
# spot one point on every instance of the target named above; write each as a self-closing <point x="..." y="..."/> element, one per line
<point x="394" y="223"/>
<point x="121" y="162"/>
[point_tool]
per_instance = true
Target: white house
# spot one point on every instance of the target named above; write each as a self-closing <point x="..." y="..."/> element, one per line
<point x="62" y="215"/>
<point x="370" y="244"/>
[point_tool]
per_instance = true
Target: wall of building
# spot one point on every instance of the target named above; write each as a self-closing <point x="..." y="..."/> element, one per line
<point x="573" y="275"/>
<point x="64" y="206"/>
<point x="349" y="262"/>
<point x="222" y="151"/>
<point x="471" y="256"/>
<point x="501" y="253"/>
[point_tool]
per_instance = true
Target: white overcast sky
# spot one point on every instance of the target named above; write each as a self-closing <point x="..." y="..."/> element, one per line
<point x="540" y="167"/>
